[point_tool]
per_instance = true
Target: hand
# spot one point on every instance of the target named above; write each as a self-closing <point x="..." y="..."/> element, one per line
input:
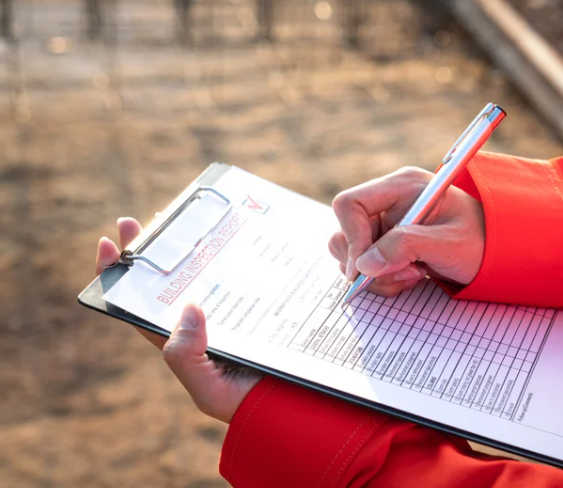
<point x="449" y="245"/>
<point x="216" y="388"/>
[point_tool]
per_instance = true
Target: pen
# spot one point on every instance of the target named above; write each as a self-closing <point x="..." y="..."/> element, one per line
<point x="454" y="162"/>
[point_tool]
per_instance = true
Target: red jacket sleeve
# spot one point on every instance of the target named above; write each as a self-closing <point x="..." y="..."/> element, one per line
<point x="523" y="204"/>
<point x="287" y="436"/>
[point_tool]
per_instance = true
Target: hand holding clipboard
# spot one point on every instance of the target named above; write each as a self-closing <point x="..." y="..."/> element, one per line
<point x="185" y="353"/>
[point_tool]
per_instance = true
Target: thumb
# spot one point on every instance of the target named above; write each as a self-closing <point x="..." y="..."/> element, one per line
<point x="400" y="247"/>
<point x="184" y="351"/>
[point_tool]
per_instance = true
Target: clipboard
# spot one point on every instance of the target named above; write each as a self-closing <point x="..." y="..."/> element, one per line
<point x="92" y="297"/>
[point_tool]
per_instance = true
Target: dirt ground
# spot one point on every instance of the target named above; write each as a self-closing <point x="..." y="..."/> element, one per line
<point x="93" y="130"/>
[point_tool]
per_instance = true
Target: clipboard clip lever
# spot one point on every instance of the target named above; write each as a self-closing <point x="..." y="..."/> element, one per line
<point x="128" y="257"/>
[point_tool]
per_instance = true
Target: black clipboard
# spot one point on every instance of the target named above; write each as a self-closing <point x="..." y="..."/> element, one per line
<point x="91" y="297"/>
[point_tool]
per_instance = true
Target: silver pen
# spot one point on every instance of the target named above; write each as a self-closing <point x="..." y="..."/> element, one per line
<point x="454" y="162"/>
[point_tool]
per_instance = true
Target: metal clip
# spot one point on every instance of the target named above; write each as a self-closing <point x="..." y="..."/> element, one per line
<point x="128" y="257"/>
<point x="482" y="115"/>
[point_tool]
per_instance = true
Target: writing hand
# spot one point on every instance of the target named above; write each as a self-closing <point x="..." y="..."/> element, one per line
<point x="449" y="245"/>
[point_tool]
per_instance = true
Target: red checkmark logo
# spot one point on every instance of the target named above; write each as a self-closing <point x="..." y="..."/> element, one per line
<point x="255" y="205"/>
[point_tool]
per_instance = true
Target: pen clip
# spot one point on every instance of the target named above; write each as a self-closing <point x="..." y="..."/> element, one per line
<point x="482" y="115"/>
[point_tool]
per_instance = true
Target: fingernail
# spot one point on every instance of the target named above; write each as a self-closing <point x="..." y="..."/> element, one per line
<point x="189" y="320"/>
<point x="409" y="273"/>
<point x="350" y="271"/>
<point x="120" y="220"/>
<point x="372" y="263"/>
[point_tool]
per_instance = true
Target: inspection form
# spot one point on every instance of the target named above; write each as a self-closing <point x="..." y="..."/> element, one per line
<point x="272" y="295"/>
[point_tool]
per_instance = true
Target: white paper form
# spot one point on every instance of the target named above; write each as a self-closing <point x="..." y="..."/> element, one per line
<point x="272" y="292"/>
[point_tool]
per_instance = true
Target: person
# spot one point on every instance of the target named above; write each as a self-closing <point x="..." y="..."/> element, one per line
<point x="495" y="235"/>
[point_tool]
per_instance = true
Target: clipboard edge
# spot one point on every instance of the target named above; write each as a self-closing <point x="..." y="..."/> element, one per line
<point x="397" y="413"/>
<point x="378" y="407"/>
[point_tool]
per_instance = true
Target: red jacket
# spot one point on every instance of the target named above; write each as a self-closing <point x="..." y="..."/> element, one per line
<point x="289" y="437"/>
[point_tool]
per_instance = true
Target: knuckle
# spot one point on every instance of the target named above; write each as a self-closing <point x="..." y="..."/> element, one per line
<point x="402" y="237"/>
<point x="334" y="247"/>
<point x="333" y="241"/>
<point x="331" y="247"/>
<point x="170" y="351"/>
<point x="414" y="174"/>
<point x="354" y="243"/>
<point x="386" y="280"/>
<point x="342" y="201"/>
<point x="388" y="291"/>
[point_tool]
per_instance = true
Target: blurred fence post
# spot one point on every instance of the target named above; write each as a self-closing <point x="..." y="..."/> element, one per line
<point x="7" y="19"/>
<point x="265" y="17"/>
<point x="183" y="8"/>
<point x="94" y="18"/>
<point x="353" y="16"/>
<point x="433" y="15"/>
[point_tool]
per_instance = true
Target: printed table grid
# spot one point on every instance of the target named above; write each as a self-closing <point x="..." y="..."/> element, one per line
<point x="478" y="355"/>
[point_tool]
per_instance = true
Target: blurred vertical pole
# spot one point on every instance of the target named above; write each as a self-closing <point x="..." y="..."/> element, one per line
<point x="16" y="79"/>
<point x="221" y="43"/>
<point x="211" y="20"/>
<point x="315" y="34"/>
<point x="354" y="12"/>
<point x="7" y="19"/>
<point x="433" y="15"/>
<point x="183" y="11"/>
<point x="302" y="12"/>
<point x="94" y="19"/>
<point x="110" y="37"/>
<point x="265" y="15"/>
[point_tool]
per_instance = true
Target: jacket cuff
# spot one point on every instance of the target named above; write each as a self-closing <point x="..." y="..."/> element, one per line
<point x="285" y="435"/>
<point x="523" y="205"/>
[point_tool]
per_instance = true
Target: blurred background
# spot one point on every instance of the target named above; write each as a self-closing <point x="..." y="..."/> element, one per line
<point x="111" y="107"/>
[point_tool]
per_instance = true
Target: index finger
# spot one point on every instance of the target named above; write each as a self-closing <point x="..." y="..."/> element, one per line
<point x="355" y="207"/>
<point x="107" y="254"/>
<point x="128" y="229"/>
